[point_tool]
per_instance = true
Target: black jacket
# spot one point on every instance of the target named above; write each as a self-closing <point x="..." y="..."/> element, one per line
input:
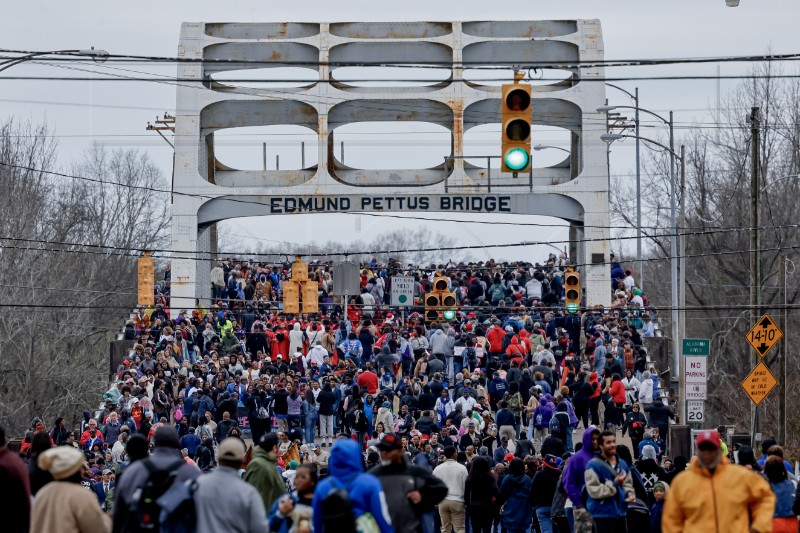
<point x="480" y="494"/>
<point x="544" y="487"/>
<point x="400" y="479"/>
<point x="659" y="414"/>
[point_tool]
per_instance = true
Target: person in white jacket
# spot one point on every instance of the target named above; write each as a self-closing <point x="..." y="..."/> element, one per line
<point x="296" y="339"/>
<point x="632" y="386"/>
<point x="646" y="390"/>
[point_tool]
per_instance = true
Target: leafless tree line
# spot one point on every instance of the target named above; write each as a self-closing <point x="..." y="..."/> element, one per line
<point x="717" y="196"/>
<point x="59" y="304"/>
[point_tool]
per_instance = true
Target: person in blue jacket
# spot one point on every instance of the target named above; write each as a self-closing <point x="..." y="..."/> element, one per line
<point x="513" y="496"/>
<point x="609" y="487"/>
<point x="346" y="471"/>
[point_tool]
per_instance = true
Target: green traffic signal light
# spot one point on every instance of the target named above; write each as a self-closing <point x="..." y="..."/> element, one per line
<point x="449" y="314"/>
<point x="572" y="308"/>
<point x="516" y="158"/>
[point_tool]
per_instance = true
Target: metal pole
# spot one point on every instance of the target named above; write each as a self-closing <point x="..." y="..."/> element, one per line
<point x="784" y="357"/>
<point x="264" y="154"/>
<point x="640" y="264"/>
<point x="673" y="262"/>
<point x="682" y="286"/>
<point x="341" y="152"/>
<point x="277" y="162"/>
<point x="755" y="275"/>
<point x="489" y="174"/>
<point x="303" y="154"/>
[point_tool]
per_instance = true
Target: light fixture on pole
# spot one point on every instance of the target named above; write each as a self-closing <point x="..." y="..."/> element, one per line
<point x="677" y="325"/>
<point x="540" y="147"/>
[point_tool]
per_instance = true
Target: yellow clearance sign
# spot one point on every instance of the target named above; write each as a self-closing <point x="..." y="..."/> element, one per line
<point x="764" y="335"/>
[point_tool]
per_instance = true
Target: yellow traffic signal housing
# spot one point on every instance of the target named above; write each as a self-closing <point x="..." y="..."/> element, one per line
<point x="516" y="118"/>
<point x="572" y="285"/>
<point x="291" y="297"/>
<point x="440" y="303"/>
<point x="310" y="297"/>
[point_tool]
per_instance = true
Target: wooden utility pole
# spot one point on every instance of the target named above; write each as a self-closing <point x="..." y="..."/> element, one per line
<point x="755" y="256"/>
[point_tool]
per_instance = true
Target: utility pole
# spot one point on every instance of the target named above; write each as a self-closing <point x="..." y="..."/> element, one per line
<point x="755" y="256"/>
<point x="682" y="287"/>
<point x="784" y="357"/>
<point x="640" y="265"/>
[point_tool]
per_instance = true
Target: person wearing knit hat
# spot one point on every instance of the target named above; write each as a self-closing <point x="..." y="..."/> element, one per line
<point x="660" y="491"/>
<point x="64" y="504"/>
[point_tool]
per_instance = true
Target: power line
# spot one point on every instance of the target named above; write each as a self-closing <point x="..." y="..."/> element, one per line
<point x="418" y="63"/>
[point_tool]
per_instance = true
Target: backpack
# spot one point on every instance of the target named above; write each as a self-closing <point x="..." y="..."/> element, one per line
<point x="262" y="413"/>
<point x="554" y="426"/>
<point x="146" y="511"/>
<point x="339" y="517"/>
<point x="637" y="430"/>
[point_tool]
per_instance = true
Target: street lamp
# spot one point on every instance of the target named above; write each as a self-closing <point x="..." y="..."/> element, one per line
<point x="640" y="265"/>
<point x="98" y="56"/>
<point x="677" y="329"/>
<point x="540" y="147"/>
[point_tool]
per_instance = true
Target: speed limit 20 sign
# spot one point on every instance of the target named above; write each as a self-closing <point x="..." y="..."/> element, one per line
<point x="695" y="411"/>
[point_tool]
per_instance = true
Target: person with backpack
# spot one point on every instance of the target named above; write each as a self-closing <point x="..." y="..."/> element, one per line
<point x="411" y="491"/>
<point x="224" y="502"/>
<point x="146" y="480"/>
<point x="348" y="500"/>
<point x="262" y="472"/>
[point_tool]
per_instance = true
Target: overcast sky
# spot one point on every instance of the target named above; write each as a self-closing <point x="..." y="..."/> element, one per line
<point x="115" y="113"/>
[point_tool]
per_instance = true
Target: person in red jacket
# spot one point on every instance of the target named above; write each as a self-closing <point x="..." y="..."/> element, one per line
<point x="617" y="390"/>
<point x="91" y="436"/>
<point x="515" y="351"/>
<point x="369" y="380"/>
<point x="495" y="337"/>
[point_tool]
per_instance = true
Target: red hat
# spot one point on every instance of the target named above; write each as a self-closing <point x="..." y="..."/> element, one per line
<point x="708" y="436"/>
<point x="126" y="362"/>
<point x="508" y="457"/>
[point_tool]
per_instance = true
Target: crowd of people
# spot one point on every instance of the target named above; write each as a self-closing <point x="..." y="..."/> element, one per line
<point x="509" y="417"/>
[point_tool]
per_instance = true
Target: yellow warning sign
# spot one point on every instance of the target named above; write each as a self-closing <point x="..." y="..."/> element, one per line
<point x="759" y="383"/>
<point x="764" y="335"/>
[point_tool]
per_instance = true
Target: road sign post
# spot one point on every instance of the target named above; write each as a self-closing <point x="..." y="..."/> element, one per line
<point x="759" y="383"/>
<point x="402" y="291"/>
<point x="764" y="335"/>
<point x="695" y="411"/>
<point x="693" y="380"/>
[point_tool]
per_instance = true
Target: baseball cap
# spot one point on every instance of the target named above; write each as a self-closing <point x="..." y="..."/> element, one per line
<point x="551" y="461"/>
<point x="708" y="436"/>
<point x="389" y="442"/>
<point x="230" y="449"/>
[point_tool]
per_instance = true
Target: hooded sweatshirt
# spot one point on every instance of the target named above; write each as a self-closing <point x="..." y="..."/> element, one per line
<point x="262" y="473"/>
<point x="365" y="491"/>
<point x="574" y="472"/>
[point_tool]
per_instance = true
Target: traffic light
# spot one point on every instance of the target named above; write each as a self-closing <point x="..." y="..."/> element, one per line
<point x="516" y="127"/>
<point x="572" y="284"/>
<point x="440" y="303"/>
<point x="310" y="297"/>
<point x="433" y="311"/>
<point x="291" y="298"/>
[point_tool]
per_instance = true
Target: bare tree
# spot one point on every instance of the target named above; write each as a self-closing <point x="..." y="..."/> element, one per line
<point x="64" y="301"/>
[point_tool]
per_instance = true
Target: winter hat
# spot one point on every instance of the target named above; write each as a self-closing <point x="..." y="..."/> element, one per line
<point x="293" y="465"/>
<point x="662" y="485"/>
<point x="386" y="405"/>
<point x="648" y="452"/>
<point x="61" y="461"/>
<point x="551" y="461"/>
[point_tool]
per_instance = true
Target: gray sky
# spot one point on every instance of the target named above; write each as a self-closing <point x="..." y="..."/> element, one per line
<point x="115" y="113"/>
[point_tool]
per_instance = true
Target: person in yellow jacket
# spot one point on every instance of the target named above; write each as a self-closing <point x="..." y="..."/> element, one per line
<point x="715" y="496"/>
